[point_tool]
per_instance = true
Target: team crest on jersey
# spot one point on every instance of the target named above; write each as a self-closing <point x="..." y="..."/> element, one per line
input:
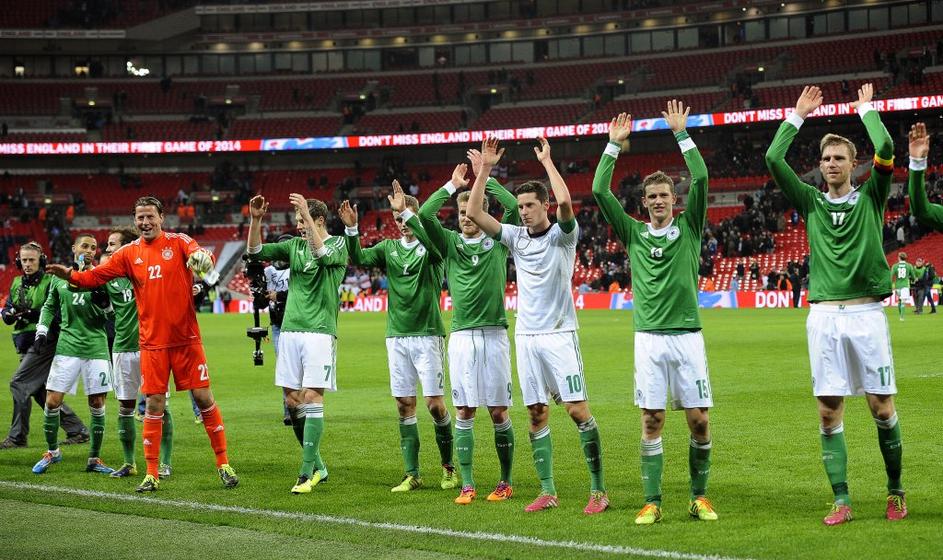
<point x="420" y="250"/>
<point x="167" y="253"/>
<point x="487" y="244"/>
<point x="853" y="199"/>
<point x="673" y="233"/>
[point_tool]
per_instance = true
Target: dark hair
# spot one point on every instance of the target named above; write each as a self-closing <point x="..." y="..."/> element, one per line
<point x="149" y="201"/>
<point x="535" y="187"/>
<point x="81" y="235"/>
<point x="128" y="233"/>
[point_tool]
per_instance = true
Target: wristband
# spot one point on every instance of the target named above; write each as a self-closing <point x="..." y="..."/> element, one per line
<point x="612" y="149"/>
<point x="918" y="164"/>
<point x="795" y="120"/>
<point x="351" y="230"/>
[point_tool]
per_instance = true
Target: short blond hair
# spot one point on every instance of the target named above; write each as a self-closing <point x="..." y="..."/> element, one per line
<point x="658" y="178"/>
<point x="412" y="203"/>
<point x="836" y="140"/>
<point x="464" y="196"/>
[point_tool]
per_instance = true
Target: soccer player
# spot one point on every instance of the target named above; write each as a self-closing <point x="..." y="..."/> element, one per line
<point x="849" y="343"/>
<point x="81" y="353"/>
<point x="929" y="215"/>
<point x="669" y="346"/>
<point x="479" y="350"/>
<point x="549" y="365"/>
<point x="414" y="330"/>
<point x="160" y="266"/>
<point x="126" y="363"/>
<point x="306" y="360"/>
<point x="902" y="275"/>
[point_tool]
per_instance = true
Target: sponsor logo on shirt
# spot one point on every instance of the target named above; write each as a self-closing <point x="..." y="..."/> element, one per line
<point x="167" y="253"/>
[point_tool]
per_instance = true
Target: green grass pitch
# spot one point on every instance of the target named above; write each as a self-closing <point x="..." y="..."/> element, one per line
<point x="767" y="480"/>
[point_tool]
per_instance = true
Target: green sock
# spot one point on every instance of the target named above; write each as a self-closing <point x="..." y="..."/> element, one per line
<point x="51" y="427"/>
<point x="900" y="307"/>
<point x="409" y="444"/>
<point x="443" y="438"/>
<point x="653" y="461"/>
<point x="298" y="422"/>
<point x="504" y="445"/>
<point x="311" y="445"/>
<point x="835" y="458"/>
<point x="127" y="435"/>
<point x="98" y="431"/>
<point x="699" y="466"/>
<point x="167" y="438"/>
<point x="592" y="450"/>
<point x="543" y="459"/>
<point x="465" y="449"/>
<point x="892" y="449"/>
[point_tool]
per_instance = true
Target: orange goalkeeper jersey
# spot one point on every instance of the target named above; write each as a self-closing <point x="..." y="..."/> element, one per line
<point x="162" y="287"/>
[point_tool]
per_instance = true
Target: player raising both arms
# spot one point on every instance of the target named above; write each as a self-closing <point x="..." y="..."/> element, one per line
<point x="160" y="266"/>
<point x="849" y="342"/>
<point x="548" y="355"/>
<point x="306" y="360"/>
<point x="929" y="215"/>
<point x="669" y="346"/>
<point x="479" y="349"/>
<point x="414" y="330"/>
<point x="81" y="353"/>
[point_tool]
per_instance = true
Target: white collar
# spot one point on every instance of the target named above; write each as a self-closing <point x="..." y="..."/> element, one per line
<point x="840" y="199"/>
<point x="473" y="240"/>
<point x="662" y="231"/>
<point x="408" y="245"/>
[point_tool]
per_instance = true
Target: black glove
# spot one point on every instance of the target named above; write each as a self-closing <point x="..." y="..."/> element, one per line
<point x="10" y="316"/>
<point x="31" y="315"/>
<point x="100" y="298"/>
<point x="39" y="342"/>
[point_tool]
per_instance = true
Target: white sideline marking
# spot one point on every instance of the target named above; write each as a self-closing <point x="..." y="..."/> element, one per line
<point x="480" y="536"/>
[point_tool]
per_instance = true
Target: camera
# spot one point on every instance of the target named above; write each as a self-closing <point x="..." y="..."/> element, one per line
<point x="255" y="272"/>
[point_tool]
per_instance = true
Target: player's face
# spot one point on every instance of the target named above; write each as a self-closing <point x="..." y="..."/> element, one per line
<point x="148" y="221"/>
<point x="114" y="243"/>
<point x="468" y="227"/>
<point x="106" y="256"/>
<point x="836" y="164"/>
<point x="659" y="200"/>
<point x="533" y="211"/>
<point x="86" y="246"/>
<point x="401" y="224"/>
<point x="29" y="260"/>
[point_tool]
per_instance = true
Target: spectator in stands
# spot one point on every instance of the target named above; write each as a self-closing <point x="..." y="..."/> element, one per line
<point x="740" y="269"/>
<point x="754" y="270"/>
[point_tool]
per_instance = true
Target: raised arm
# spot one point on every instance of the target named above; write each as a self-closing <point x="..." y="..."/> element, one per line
<point x="926" y="213"/>
<point x="490" y="155"/>
<point x="882" y="171"/>
<point x="696" y="210"/>
<point x="358" y="255"/>
<point x="315" y="242"/>
<point x="612" y="211"/>
<point x="398" y="204"/>
<point x="258" y="206"/>
<point x="565" y="215"/>
<point x="429" y="211"/>
<point x="799" y="194"/>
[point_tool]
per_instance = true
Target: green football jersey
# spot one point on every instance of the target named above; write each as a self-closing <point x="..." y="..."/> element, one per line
<point x="929" y="215"/>
<point x="846" y="254"/>
<point x="127" y="336"/>
<point x="902" y="274"/>
<point x="313" y="299"/>
<point x="82" y="326"/>
<point x="476" y="269"/>
<point x="664" y="262"/>
<point x="414" y="273"/>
